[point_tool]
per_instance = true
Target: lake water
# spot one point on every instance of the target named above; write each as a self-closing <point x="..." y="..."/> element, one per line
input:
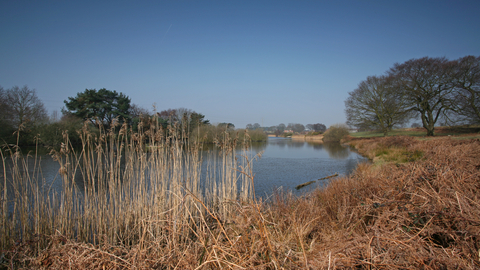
<point x="287" y="163"/>
<point x="284" y="164"/>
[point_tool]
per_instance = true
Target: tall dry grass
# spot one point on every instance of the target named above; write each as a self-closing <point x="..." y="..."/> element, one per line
<point x="209" y="134"/>
<point x="125" y="188"/>
<point x="422" y="213"/>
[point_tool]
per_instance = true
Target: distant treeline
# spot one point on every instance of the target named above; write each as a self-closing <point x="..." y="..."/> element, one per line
<point x="290" y="128"/>
<point x="25" y="121"/>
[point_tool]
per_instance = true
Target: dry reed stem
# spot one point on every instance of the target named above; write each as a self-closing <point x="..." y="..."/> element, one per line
<point x="420" y="214"/>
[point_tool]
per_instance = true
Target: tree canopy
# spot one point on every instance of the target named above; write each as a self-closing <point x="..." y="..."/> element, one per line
<point x="189" y="119"/>
<point x="467" y="83"/>
<point x="376" y="104"/>
<point x="296" y="127"/>
<point x="22" y="111"/>
<point x="316" y="127"/>
<point x="23" y="107"/>
<point x="102" y="105"/>
<point x="428" y="87"/>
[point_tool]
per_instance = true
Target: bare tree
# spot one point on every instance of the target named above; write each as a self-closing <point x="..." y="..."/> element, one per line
<point x="296" y="127"/>
<point x="376" y="104"/>
<point x="278" y="130"/>
<point x="299" y="128"/>
<point x="428" y="87"/>
<point x="316" y="127"/>
<point x="54" y="117"/>
<point x="176" y="115"/>
<point x="467" y="82"/>
<point x="136" y="111"/>
<point x="5" y="122"/>
<point x="4" y="106"/>
<point x="319" y="127"/>
<point x="186" y="118"/>
<point x="25" y="108"/>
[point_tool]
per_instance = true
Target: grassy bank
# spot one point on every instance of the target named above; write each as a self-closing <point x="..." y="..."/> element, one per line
<point x="422" y="212"/>
<point x="459" y="131"/>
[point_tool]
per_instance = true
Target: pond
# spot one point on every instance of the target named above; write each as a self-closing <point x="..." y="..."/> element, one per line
<point x="287" y="163"/>
<point x="284" y="164"/>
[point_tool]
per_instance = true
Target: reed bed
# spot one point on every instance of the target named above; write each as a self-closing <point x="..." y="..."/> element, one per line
<point x="123" y="189"/>
<point x="422" y="212"/>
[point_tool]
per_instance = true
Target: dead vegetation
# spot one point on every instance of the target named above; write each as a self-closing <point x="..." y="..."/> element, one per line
<point x="421" y="213"/>
<point x="416" y="215"/>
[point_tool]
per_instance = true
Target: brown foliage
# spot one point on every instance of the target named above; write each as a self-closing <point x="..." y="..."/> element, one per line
<point x="417" y="215"/>
<point x="423" y="214"/>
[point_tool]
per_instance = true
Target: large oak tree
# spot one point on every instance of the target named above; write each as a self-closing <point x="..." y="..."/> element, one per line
<point x="428" y="87"/>
<point x="467" y="83"/>
<point x="376" y="104"/>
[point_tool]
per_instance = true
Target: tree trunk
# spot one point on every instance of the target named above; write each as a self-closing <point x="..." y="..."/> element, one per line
<point x="428" y="123"/>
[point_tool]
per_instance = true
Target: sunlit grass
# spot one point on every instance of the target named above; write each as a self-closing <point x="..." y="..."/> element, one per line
<point x="129" y="193"/>
<point x="395" y="132"/>
<point x="140" y="209"/>
<point x="466" y="131"/>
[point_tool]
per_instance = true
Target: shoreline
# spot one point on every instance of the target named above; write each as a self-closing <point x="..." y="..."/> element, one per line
<point x="302" y="137"/>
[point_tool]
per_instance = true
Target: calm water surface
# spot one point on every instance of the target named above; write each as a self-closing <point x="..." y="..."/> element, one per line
<point x="286" y="163"/>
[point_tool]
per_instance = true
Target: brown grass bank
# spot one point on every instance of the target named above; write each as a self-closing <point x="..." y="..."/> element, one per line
<point x="419" y="209"/>
<point x="422" y="214"/>
<point x="307" y="137"/>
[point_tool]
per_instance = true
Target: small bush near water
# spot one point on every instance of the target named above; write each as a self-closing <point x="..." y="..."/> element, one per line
<point x="335" y="133"/>
<point x="421" y="214"/>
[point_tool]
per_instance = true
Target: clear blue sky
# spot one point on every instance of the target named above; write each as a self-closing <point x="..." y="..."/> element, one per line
<point x="266" y="62"/>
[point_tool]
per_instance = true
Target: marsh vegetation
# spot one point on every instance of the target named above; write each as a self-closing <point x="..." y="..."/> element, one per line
<point x="136" y="188"/>
<point x="415" y="207"/>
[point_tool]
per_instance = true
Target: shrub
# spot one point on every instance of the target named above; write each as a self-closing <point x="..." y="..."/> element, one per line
<point x="335" y="133"/>
<point x="256" y="135"/>
<point x="211" y="134"/>
<point x="52" y="134"/>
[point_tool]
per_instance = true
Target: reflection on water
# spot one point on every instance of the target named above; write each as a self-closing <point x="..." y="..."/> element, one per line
<point x="287" y="163"/>
<point x="284" y="163"/>
<point x="337" y="151"/>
